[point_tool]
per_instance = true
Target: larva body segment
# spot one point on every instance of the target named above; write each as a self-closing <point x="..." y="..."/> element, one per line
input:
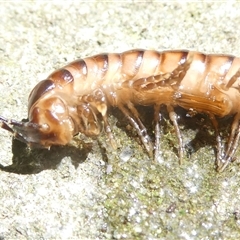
<point x="76" y="98"/>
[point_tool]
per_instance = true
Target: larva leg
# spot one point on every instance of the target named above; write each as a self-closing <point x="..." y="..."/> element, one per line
<point x="136" y="115"/>
<point x="157" y="119"/>
<point x="218" y="140"/>
<point x="179" y="73"/>
<point x="234" y="130"/>
<point x="141" y="130"/>
<point x="232" y="80"/>
<point x="144" y="132"/>
<point x="108" y="130"/>
<point x="98" y="100"/>
<point x="173" y="116"/>
<point x="232" y="143"/>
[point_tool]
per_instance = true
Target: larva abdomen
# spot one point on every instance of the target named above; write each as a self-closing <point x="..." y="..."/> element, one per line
<point x="76" y="98"/>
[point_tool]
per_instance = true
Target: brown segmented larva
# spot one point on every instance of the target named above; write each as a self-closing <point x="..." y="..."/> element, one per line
<point x="76" y="98"/>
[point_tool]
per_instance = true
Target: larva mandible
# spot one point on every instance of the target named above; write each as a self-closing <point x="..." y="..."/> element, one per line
<point x="76" y="98"/>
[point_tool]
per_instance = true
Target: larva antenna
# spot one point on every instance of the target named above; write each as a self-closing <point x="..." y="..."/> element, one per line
<point x="26" y="132"/>
<point x="4" y="124"/>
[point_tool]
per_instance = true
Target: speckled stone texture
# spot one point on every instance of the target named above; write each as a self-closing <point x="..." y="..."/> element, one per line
<point x="76" y="194"/>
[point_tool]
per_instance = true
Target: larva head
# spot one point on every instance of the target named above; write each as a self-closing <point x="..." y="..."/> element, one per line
<point x="49" y="121"/>
<point x="54" y="124"/>
<point x="49" y="124"/>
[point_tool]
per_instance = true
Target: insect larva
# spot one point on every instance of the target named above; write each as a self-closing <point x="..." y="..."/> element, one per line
<point x="76" y="98"/>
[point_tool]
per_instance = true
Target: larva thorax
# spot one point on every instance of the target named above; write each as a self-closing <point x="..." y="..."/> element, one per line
<point x="76" y="98"/>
